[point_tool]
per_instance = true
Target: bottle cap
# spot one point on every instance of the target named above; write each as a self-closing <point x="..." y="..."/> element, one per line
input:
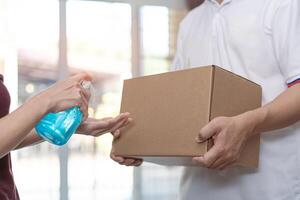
<point x="86" y="85"/>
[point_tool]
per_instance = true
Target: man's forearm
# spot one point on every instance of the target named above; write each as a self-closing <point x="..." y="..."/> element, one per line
<point x="31" y="139"/>
<point x="280" y="113"/>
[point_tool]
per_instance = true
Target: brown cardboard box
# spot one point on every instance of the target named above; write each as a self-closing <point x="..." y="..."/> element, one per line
<point x="169" y="109"/>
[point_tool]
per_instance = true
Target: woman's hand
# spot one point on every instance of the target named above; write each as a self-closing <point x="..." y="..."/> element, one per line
<point x="97" y="127"/>
<point x="122" y="160"/>
<point x="66" y="94"/>
<point x="230" y="135"/>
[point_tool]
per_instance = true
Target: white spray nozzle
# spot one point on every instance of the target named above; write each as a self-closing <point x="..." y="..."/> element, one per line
<point x="86" y="85"/>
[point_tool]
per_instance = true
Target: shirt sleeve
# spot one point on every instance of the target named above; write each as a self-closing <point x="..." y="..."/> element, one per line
<point x="286" y="40"/>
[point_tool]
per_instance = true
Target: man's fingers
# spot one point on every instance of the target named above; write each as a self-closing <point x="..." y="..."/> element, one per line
<point x="125" y="161"/>
<point x="219" y="162"/>
<point x="116" y="158"/>
<point x="209" y="158"/>
<point x="129" y="162"/>
<point x="137" y="163"/>
<point x="226" y="165"/>
<point x="208" y="131"/>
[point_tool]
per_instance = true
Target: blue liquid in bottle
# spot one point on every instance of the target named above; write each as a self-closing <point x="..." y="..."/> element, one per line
<point x="57" y="128"/>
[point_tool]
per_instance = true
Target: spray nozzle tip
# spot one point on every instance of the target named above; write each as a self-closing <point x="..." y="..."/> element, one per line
<point x="86" y="84"/>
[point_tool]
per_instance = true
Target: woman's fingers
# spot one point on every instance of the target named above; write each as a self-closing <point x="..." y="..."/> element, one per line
<point x="81" y="96"/>
<point x="84" y="107"/>
<point x="123" y="122"/>
<point x="108" y="125"/>
<point x="84" y="76"/>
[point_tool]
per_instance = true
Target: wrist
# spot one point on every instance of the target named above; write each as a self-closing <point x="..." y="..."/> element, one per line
<point x="256" y="119"/>
<point x="42" y="103"/>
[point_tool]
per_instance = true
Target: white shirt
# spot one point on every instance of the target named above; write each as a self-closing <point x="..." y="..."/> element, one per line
<point x="260" y="40"/>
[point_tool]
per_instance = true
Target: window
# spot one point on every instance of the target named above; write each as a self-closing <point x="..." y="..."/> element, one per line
<point x="101" y="39"/>
<point x="35" y="24"/>
<point x="159" y="26"/>
<point x="155" y="39"/>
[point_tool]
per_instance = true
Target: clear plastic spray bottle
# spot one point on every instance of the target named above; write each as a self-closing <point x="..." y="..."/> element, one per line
<point x="57" y="128"/>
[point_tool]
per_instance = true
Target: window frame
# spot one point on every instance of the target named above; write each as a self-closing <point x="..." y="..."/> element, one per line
<point x="136" y="68"/>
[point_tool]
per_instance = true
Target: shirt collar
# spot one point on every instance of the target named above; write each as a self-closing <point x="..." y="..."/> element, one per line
<point x="223" y="3"/>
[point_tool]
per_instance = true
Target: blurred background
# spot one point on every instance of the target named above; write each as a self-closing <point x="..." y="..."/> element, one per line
<point x="42" y="41"/>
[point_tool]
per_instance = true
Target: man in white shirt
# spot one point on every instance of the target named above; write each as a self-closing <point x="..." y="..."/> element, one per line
<point x="259" y="40"/>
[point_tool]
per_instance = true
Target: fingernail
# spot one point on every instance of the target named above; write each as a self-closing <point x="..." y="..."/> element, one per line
<point x="117" y="133"/>
<point x="120" y="160"/>
<point x="128" y="121"/>
<point x="199" y="139"/>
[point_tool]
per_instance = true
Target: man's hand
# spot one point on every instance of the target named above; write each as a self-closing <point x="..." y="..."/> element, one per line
<point x="97" y="127"/>
<point x="230" y="135"/>
<point x="121" y="160"/>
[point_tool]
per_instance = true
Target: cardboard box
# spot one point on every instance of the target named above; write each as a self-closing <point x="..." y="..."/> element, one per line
<point x="169" y="109"/>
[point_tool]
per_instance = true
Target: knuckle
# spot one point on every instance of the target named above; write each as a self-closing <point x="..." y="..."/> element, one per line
<point x="219" y="121"/>
<point x="235" y="157"/>
<point x="83" y="74"/>
<point x="78" y="102"/>
<point x="205" y="163"/>
<point x="78" y="96"/>
<point x="88" y="93"/>
<point x="221" y="150"/>
<point x="215" y="122"/>
<point x="77" y="85"/>
<point x="78" y="90"/>
<point x="232" y="156"/>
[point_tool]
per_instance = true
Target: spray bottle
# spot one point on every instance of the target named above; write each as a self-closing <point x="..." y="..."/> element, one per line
<point x="57" y="128"/>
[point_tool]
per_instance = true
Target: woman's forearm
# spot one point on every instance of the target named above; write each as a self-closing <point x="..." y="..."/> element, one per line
<point x="17" y="125"/>
<point x="61" y="96"/>
<point x="280" y="113"/>
<point x="31" y="139"/>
